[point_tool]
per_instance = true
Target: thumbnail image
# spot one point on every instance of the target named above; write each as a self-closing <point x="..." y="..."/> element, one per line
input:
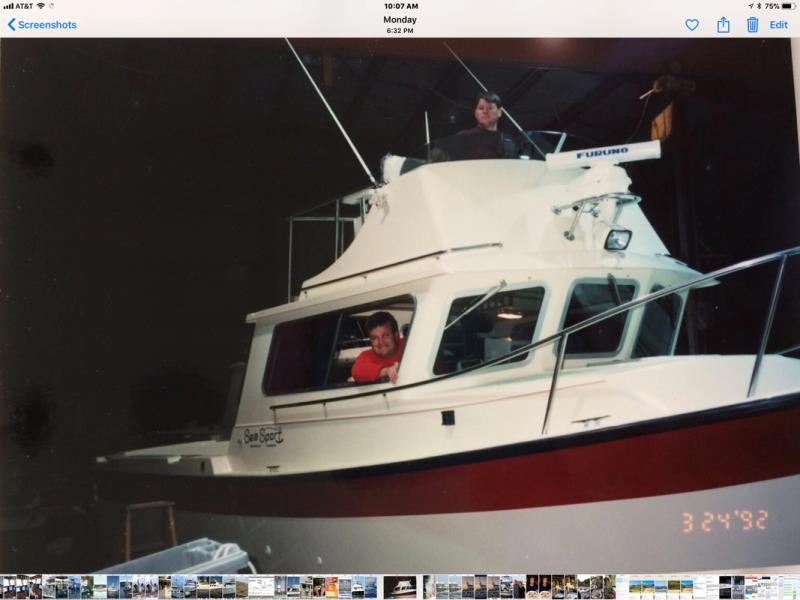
<point x="9" y="587"/>
<point x="345" y="587"/>
<point x="610" y="587"/>
<point x="518" y="586"/>
<point x="648" y="589"/>
<point x="531" y="586"/>
<point x="687" y="589"/>
<point x="371" y="586"/>
<point x="280" y="586"/>
<point x="635" y="587"/>
<point x="319" y="587"/>
<point x="481" y="583"/>
<point x="570" y="587"/>
<point x="493" y="586"/>
<point x="505" y="586"/>
<point x="428" y="587"/>
<point x="126" y="586"/>
<point x="400" y="586"/>
<point x="262" y="587"/>
<point x="725" y="587"/>
<point x="649" y="586"/>
<point x="137" y="590"/>
<point x="241" y="586"/>
<point x="358" y="586"/>
<point x="203" y="586"/>
<point x="558" y="587"/>
<point x="190" y="586"/>
<point x="178" y="583"/>
<point x="151" y="586"/>
<point x="228" y="586"/>
<point x="468" y="586"/>
<point x="597" y="587"/>
<point x="164" y="587"/>
<point x="673" y="587"/>
<point x="700" y="589"/>
<point x="214" y="586"/>
<point x="100" y="586"/>
<point x="36" y="586"/>
<point x="750" y="586"/>
<point x="661" y="587"/>
<point x="455" y="587"/>
<point x="442" y="587"/>
<point x="23" y="587"/>
<point x="584" y="585"/>
<point x="307" y="583"/>
<point x="74" y="587"/>
<point x="545" y="586"/>
<point x="737" y="590"/>
<point x="62" y="586"/>
<point x="293" y="586"/>
<point x="332" y="587"/>
<point x="112" y="586"/>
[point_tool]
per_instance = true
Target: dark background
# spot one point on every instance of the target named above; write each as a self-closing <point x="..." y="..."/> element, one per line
<point x="145" y="186"/>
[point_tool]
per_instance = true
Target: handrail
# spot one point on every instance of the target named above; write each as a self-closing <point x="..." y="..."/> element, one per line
<point x="564" y="333"/>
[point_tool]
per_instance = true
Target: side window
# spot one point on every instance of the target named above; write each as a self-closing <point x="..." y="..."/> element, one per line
<point x="659" y="326"/>
<point x="474" y="334"/>
<point x="588" y="300"/>
<point x="318" y="352"/>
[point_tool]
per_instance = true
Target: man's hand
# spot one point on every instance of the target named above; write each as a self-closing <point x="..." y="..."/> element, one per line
<point x="390" y="372"/>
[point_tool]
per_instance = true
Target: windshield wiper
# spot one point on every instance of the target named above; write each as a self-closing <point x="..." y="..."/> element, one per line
<point x="475" y="305"/>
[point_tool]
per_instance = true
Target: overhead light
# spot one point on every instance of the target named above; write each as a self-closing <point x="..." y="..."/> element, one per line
<point x="509" y="313"/>
<point x="618" y="239"/>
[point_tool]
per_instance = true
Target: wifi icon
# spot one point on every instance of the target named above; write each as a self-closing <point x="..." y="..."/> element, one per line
<point x="40" y="4"/>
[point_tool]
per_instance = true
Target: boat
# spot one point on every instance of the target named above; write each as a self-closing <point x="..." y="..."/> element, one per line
<point x="539" y="396"/>
<point x="404" y="588"/>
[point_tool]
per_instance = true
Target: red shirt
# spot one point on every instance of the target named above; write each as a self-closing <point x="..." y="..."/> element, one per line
<point x="368" y="365"/>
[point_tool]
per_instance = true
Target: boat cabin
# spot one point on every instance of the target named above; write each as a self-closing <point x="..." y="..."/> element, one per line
<point x="475" y="259"/>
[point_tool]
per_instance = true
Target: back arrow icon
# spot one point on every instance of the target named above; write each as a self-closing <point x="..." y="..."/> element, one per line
<point x="11" y="24"/>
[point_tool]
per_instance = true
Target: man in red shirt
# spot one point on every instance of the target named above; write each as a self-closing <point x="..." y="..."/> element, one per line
<point x="383" y="359"/>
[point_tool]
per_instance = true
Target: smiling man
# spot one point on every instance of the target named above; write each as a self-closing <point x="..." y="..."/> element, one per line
<point x="383" y="359"/>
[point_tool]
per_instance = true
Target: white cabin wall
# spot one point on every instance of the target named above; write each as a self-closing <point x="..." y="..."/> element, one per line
<point x="253" y="405"/>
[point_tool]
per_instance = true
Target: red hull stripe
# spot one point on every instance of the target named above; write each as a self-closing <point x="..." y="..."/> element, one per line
<point x="705" y="450"/>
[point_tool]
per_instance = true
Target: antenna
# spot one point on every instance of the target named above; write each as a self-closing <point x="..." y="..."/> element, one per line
<point x="508" y="114"/>
<point x="330" y="110"/>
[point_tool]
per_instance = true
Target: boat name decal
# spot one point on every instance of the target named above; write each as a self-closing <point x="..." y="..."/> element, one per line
<point x="603" y="152"/>
<point x="265" y="436"/>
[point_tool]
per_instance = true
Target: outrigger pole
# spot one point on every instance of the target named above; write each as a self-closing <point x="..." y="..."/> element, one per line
<point x="330" y="110"/>
<point x="508" y="114"/>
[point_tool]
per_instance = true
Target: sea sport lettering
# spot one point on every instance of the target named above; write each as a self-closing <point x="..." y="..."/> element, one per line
<point x="264" y="436"/>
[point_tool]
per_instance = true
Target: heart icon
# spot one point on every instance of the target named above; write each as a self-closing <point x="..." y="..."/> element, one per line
<point x="692" y="24"/>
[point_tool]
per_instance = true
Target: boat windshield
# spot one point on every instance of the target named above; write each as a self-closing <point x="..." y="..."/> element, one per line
<point x="478" y="144"/>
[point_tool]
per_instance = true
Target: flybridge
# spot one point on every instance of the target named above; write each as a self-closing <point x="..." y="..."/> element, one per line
<point x="609" y="155"/>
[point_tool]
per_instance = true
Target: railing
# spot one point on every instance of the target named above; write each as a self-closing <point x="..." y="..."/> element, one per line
<point x="561" y="337"/>
<point x="349" y="209"/>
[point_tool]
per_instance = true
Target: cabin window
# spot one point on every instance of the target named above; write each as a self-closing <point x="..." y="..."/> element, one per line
<point x="592" y="298"/>
<point x="659" y="326"/>
<point x="475" y="334"/>
<point x="318" y="352"/>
